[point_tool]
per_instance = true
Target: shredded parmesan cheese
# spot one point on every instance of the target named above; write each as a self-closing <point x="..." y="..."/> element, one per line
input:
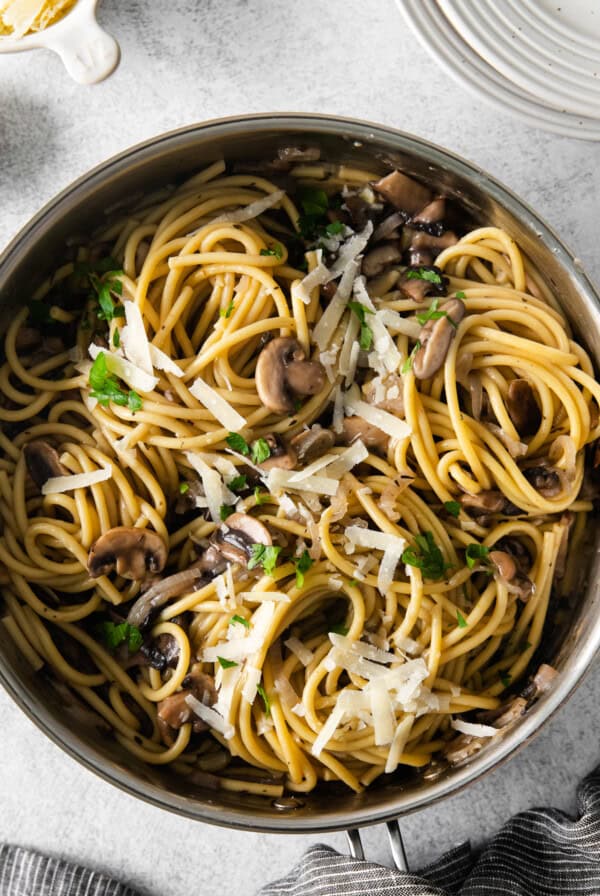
<point x="251" y="211"/>
<point x="58" y="484"/>
<point x="217" y="405"/>
<point x="473" y="729"/>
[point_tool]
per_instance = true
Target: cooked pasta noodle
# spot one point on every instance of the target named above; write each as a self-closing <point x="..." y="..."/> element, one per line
<point x="341" y="549"/>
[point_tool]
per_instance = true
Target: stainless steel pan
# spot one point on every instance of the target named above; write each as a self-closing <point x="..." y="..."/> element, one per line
<point x="169" y="158"/>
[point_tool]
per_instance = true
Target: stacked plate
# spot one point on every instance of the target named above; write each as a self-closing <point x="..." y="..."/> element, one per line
<point x="539" y="59"/>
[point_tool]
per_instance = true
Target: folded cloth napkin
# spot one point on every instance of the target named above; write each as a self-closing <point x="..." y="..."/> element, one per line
<point x="541" y="852"/>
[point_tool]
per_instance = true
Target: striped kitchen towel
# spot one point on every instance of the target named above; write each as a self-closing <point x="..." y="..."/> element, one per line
<point x="541" y="852"/>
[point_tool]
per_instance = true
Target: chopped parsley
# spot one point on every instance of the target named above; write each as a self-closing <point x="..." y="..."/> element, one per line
<point x="302" y="563"/>
<point x="506" y="679"/>
<point x="335" y="228"/>
<point x="237" y="483"/>
<point x="264" y="555"/>
<point x="475" y="552"/>
<point x="313" y="222"/>
<point x="184" y="488"/>
<point x="105" y="387"/>
<point x="114" y="634"/>
<point x="238" y="443"/>
<point x="226" y="510"/>
<point x="105" y="287"/>
<point x="260" y="499"/>
<point x="365" y="338"/>
<point x="340" y="628"/>
<point x="432" y="313"/>
<point x="239" y="620"/>
<point x="275" y="250"/>
<point x="460" y="619"/>
<point x="425" y="274"/>
<point x="226" y="664"/>
<point x="116" y="340"/>
<point x="409" y="361"/>
<point x="453" y="508"/>
<point x="427" y="557"/>
<point x="460" y="295"/>
<point x="260" y="451"/>
<point x="265" y="699"/>
<point x="227" y="312"/>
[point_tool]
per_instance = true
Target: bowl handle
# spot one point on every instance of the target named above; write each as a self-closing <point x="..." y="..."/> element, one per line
<point x="396" y="845"/>
<point x="88" y="52"/>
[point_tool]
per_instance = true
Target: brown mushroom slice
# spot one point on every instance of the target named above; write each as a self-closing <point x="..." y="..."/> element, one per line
<point x="173" y="712"/>
<point x="522" y="407"/>
<point x="179" y="583"/>
<point x="379" y="258"/>
<point x="432" y="213"/>
<point x="435" y="339"/>
<point x="517" y="551"/>
<point x="424" y="247"/>
<point x="132" y="552"/>
<point x="545" y="479"/>
<point x="42" y="462"/>
<point x="505" y="714"/>
<point x="234" y="539"/>
<point x="282" y="373"/>
<point x="354" y="428"/>
<point x="517" y="583"/>
<point x="388" y="227"/>
<point x="417" y="287"/>
<point x="299" y="153"/>
<point x="312" y="444"/>
<point x="403" y="192"/>
<point x="485" y="501"/>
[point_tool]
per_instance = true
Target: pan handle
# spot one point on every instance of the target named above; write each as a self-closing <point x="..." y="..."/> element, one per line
<point x="396" y="845"/>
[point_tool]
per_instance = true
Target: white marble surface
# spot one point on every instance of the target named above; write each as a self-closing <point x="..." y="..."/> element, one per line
<point x="201" y="60"/>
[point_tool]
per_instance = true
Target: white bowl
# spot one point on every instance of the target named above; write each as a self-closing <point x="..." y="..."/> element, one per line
<point x="89" y="54"/>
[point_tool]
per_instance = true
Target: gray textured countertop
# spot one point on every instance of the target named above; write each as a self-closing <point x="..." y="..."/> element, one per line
<point x="183" y="62"/>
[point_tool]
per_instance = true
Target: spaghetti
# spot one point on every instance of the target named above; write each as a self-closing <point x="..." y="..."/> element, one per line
<point x="278" y="491"/>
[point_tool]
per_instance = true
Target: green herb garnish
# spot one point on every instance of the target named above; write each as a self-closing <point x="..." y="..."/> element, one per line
<point x="302" y="563"/>
<point x="260" y="499"/>
<point x="506" y="678"/>
<point x="427" y="557"/>
<point x="237" y="483"/>
<point x="105" y="387"/>
<point x="460" y="619"/>
<point x="227" y="312"/>
<point x="425" y="274"/>
<point x="238" y="443"/>
<point x="432" y="313"/>
<point x="264" y="555"/>
<point x="260" y="451"/>
<point x="114" y="634"/>
<point x="339" y="628"/>
<point x="475" y="552"/>
<point x="275" y="250"/>
<point x="335" y="228"/>
<point x="225" y="511"/>
<point x="365" y="338"/>
<point x="460" y="295"/>
<point x="453" y="508"/>
<point x="314" y="203"/>
<point x="265" y="699"/>
<point x="105" y="287"/>
<point x="226" y="664"/>
<point x="116" y="340"/>
<point x="184" y="488"/>
<point x="409" y="361"/>
<point x="239" y="620"/>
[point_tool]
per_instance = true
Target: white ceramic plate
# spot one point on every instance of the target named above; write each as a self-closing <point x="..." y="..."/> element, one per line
<point x="89" y="54"/>
<point x="454" y="54"/>
<point x="533" y="50"/>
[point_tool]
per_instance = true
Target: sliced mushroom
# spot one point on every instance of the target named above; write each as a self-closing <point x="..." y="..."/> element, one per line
<point x="42" y="462"/>
<point x="236" y="536"/>
<point x="543" y="678"/>
<point x="282" y="372"/>
<point x="354" y="428"/>
<point x="505" y="714"/>
<point x="433" y="213"/>
<point x="132" y="552"/>
<point x="517" y="551"/>
<point x="504" y="563"/>
<point x="197" y="575"/>
<point x="486" y="501"/>
<point x="523" y="408"/>
<point x="403" y="192"/>
<point x="388" y="227"/>
<point x="424" y="247"/>
<point x="545" y="479"/>
<point x="417" y="287"/>
<point x="174" y="712"/>
<point x="463" y="746"/>
<point x="379" y="258"/>
<point x="435" y="339"/>
<point x="359" y="210"/>
<point x="311" y="444"/>
<point x="281" y="457"/>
